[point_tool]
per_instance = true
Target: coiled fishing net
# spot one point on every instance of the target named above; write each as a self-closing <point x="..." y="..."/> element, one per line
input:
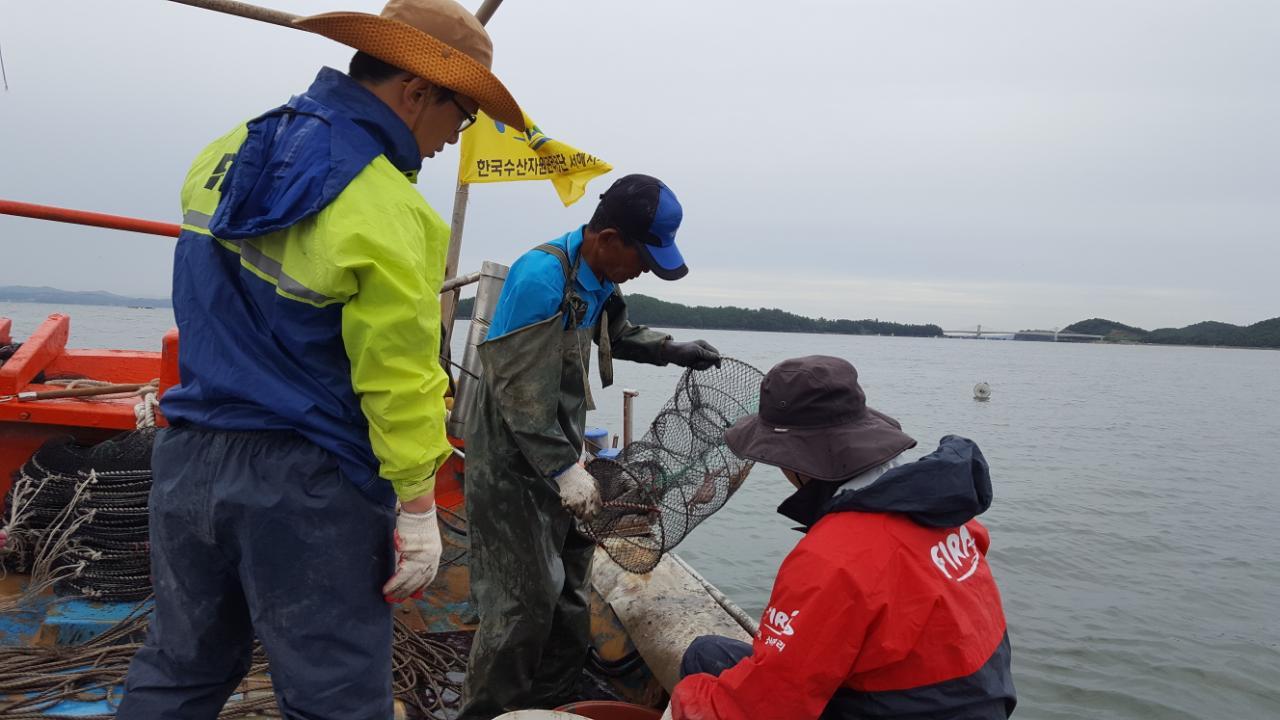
<point x="663" y="485"/>
<point x="77" y="517"/>
<point x="427" y="674"/>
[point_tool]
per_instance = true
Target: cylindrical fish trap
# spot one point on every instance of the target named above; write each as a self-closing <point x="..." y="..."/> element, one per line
<point x="680" y="473"/>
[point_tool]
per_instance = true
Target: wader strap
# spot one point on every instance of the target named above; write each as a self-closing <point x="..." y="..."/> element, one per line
<point x="559" y="254"/>
<point x="604" y="346"/>
<point x="573" y="307"/>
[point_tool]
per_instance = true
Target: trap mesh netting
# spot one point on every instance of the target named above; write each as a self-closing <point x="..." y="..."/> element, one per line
<point x="680" y="473"/>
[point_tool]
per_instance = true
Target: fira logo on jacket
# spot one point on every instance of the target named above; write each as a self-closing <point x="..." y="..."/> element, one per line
<point x="778" y="627"/>
<point x="957" y="557"/>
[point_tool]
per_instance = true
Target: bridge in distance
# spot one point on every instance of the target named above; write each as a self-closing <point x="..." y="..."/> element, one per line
<point x="1055" y="335"/>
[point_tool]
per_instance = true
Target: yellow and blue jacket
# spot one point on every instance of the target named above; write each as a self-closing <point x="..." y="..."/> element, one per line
<point x="306" y="288"/>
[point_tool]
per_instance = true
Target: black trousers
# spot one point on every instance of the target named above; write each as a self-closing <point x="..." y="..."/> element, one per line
<point x="713" y="654"/>
<point x="258" y="533"/>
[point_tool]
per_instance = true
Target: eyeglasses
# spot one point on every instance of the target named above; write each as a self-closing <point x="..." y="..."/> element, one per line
<point x="468" y="119"/>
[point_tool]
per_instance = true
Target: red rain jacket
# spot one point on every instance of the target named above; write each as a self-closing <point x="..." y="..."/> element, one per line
<point x="899" y="617"/>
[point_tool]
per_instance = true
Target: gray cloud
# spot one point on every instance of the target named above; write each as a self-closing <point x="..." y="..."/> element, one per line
<point x="1016" y="162"/>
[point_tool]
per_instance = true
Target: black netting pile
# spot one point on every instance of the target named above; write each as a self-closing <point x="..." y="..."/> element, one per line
<point x="680" y="473"/>
<point x="108" y="484"/>
<point x="55" y="481"/>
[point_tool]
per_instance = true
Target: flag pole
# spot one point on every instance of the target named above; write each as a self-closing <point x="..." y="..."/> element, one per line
<point x="449" y="301"/>
<point x="244" y="10"/>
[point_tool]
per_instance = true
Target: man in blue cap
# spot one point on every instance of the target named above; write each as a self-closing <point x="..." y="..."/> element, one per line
<point x="526" y="480"/>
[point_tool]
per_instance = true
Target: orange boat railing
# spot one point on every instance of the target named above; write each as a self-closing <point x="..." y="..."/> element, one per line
<point x="84" y="217"/>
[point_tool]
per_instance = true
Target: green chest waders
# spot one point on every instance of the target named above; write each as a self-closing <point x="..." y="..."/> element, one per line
<point x="529" y="566"/>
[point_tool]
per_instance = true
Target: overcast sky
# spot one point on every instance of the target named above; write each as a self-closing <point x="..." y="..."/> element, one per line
<point x="1014" y="163"/>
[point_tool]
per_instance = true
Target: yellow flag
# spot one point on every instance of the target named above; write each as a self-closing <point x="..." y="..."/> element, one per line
<point x="495" y="152"/>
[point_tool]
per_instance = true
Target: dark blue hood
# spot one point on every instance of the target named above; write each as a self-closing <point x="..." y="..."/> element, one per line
<point x="946" y="488"/>
<point x="298" y="157"/>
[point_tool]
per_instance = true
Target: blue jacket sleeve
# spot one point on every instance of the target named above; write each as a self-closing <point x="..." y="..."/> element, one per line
<point x="532" y="293"/>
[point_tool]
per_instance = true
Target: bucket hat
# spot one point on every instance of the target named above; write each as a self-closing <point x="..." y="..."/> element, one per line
<point x="814" y="421"/>
<point x="436" y="40"/>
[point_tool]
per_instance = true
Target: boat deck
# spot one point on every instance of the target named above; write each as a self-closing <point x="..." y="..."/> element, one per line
<point x="52" y="629"/>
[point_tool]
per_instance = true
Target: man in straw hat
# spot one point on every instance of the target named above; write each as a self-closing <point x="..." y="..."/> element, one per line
<point x="306" y="288"/>
<point x="887" y="607"/>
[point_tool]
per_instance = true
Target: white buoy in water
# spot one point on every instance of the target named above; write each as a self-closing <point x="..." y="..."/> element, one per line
<point x="982" y="392"/>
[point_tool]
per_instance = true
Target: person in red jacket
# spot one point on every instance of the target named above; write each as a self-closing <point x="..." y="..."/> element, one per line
<point x="887" y="607"/>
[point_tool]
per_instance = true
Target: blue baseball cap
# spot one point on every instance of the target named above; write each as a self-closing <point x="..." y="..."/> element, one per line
<point x="645" y="211"/>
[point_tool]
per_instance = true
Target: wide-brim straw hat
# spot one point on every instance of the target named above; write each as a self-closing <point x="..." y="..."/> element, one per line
<point x="436" y="40"/>
<point x="814" y="421"/>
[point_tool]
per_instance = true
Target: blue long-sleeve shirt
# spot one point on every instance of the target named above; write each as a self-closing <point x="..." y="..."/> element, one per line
<point x="535" y="288"/>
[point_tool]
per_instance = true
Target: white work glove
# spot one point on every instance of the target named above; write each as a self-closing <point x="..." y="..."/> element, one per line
<point x="667" y="714"/>
<point x="418" y="549"/>
<point x="579" y="492"/>
<point x="586" y="457"/>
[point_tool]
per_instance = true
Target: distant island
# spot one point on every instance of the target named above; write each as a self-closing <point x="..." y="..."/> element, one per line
<point x="1265" y="334"/>
<point x="646" y="310"/>
<point x="54" y="296"/>
<point x="652" y="311"/>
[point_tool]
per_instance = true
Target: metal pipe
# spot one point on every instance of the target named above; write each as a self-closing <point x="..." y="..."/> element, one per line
<point x="492" y="277"/>
<point x="627" y="395"/>
<point x="460" y="281"/>
<point x="93" y="219"/>
<point x="244" y="10"/>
